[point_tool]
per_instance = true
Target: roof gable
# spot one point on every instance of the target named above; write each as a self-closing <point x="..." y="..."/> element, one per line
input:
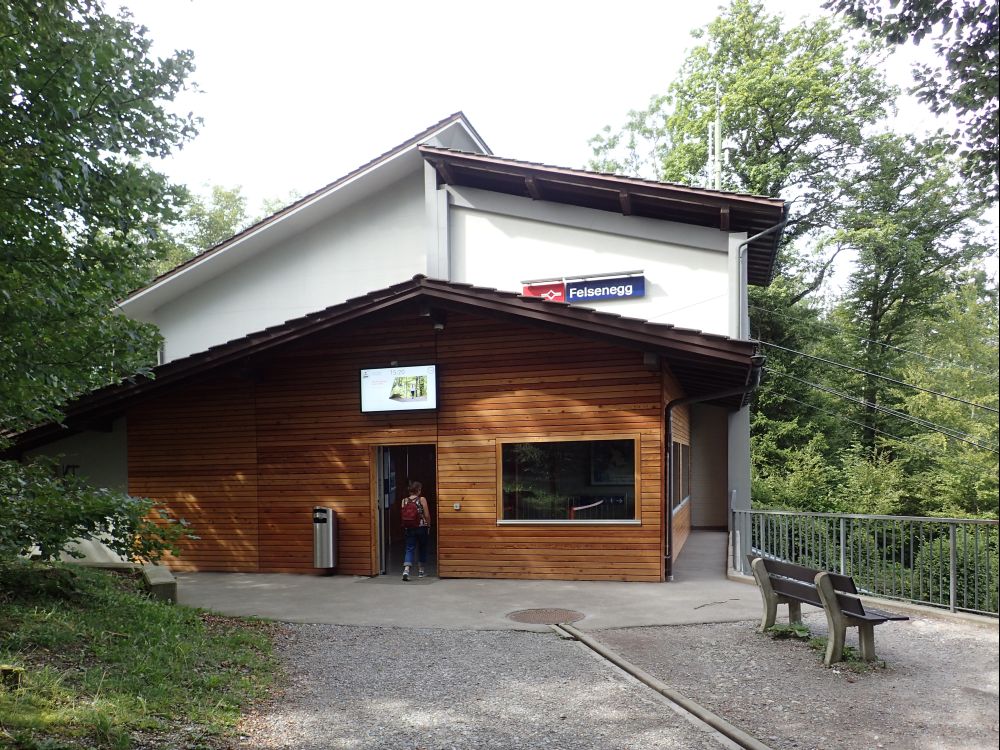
<point x="702" y="363"/>
<point x="385" y="169"/>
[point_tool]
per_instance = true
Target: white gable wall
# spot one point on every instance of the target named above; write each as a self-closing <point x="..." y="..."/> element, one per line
<point x="370" y="245"/>
<point x="686" y="268"/>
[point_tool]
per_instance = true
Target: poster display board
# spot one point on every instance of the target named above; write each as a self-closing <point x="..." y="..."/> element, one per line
<point x="399" y="389"/>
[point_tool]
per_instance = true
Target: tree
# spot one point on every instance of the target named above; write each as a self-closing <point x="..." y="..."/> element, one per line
<point x="203" y="224"/>
<point x="80" y="211"/>
<point x="804" y="112"/>
<point x="913" y="232"/>
<point x="948" y="476"/>
<point x="967" y="37"/>
<point x="83" y="110"/>
<point x="795" y="105"/>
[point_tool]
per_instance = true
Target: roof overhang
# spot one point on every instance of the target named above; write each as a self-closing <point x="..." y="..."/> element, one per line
<point x="704" y="364"/>
<point x="728" y="212"/>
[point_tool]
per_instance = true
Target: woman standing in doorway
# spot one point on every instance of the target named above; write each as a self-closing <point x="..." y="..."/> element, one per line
<point x="416" y="517"/>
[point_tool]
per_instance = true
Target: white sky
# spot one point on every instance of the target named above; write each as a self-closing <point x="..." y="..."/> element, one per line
<point x="299" y="92"/>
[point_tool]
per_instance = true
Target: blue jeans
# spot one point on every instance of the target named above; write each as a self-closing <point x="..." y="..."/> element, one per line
<point x="416" y="538"/>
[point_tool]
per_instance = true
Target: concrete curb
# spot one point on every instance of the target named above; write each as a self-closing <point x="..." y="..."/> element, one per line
<point x="160" y="582"/>
<point x="713" y="720"/>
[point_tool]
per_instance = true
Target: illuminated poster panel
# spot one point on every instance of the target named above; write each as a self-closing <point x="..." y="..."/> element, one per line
<point x="399" y="388"/>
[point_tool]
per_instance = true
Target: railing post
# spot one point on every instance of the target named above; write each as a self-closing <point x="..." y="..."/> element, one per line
<point x="953" y="572"/>
<point x="734" y="546"/>
<point x="843" y="546"/>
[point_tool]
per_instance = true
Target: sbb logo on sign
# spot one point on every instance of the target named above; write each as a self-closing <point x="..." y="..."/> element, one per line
<point x="589" y="290"/>
<point x="555" y="292"/>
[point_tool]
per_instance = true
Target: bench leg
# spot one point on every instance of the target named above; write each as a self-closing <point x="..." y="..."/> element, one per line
<point x="866" y="635"/>
<point x="835" y="621"/>
<point x="835" y="645"/>
<point x="770" y="614"/>
<point x="767" y="595"/>
<point x="794" y="613"/>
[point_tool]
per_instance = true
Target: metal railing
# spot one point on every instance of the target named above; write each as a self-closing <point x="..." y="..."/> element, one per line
<point x="942" y="562"/>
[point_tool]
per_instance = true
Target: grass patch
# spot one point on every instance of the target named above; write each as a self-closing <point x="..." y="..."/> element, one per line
<point x="794" y="630"/>
<point x="107" y="667"/>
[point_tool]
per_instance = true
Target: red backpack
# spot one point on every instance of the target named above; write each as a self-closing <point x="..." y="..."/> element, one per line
<point x="410" y="513"/>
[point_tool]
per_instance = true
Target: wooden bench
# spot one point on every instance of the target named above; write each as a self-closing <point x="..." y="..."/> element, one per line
<point x="794" y="585"/>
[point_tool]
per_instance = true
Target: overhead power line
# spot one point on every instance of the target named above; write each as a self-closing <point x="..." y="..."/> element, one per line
<point x="947" y="431"/>
<point x="833" y="327"/>
<point x="852" y="421"/>
<point x="881" y="377"/>
<point x="926" y="423"/>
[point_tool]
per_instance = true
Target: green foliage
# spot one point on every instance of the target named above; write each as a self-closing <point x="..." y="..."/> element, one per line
<point x="43" y="513"/>
<point x="794" y="478"/>
<point x="966" y="35"/>
<point x="795" y="105"/>
<point x="80" y="211"/>
<point x="870" y="483"/>
<point x="804" y="110"/>
<point x="977" y="568"/>
<point x="203" y="224"/>
<point x="84" y="110"/>
<point x="950" y="477"/>
<point x="111" y="668"/>
<point x="796" y="630"/>
<point x="850" y="658"/>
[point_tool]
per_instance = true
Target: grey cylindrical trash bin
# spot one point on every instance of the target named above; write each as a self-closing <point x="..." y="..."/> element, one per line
<point x="324" y="538"/>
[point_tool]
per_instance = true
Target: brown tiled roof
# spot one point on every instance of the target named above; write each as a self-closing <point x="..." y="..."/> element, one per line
<point x="727" y="211"/>
<point x="703" y="363"/>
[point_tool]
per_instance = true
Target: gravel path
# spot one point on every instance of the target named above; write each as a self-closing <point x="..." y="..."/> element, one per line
<point x="368" y="688"/>
<point x="938" y="690"/>
<point x="425" y="689"/>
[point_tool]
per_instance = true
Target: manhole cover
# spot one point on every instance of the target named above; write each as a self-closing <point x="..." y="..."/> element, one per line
<point x="545" y="616"/>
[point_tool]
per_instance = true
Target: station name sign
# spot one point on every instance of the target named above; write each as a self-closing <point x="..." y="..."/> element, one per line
<point x="588" y="290"/>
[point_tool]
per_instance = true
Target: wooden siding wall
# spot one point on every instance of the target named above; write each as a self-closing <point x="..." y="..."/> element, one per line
<point x="196" y="451"/>
<point x="257" y="452"/>
<point x="500" y="382"/>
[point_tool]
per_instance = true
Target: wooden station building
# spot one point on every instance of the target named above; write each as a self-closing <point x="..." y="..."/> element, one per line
<point x="559" y="356"/>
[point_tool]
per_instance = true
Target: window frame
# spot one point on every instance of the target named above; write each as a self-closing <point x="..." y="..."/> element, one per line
<point x="635" y="437"/>
<point x="680" y="479"/>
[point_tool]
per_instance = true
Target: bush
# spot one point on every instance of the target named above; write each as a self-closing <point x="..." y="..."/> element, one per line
<point x="43" y="514"/>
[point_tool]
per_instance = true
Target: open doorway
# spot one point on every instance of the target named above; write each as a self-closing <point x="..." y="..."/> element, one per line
<point x="397" y="466"/>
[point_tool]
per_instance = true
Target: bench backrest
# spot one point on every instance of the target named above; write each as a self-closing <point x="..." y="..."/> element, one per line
<point x="796" y="589"/>
<point x="799" y="581"/>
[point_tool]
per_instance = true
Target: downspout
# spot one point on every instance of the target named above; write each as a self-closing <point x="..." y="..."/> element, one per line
<point x="751" y="385"/>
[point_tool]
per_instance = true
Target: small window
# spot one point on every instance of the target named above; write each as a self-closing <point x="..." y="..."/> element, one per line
<point x="568" y="480"/>
<point x="680" y="455"/>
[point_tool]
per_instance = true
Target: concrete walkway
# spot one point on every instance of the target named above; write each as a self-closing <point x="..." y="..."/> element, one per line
<point x="700" y="593"/>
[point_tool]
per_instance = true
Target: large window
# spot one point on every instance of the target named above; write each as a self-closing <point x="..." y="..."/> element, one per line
<point x="568" y="480"/>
